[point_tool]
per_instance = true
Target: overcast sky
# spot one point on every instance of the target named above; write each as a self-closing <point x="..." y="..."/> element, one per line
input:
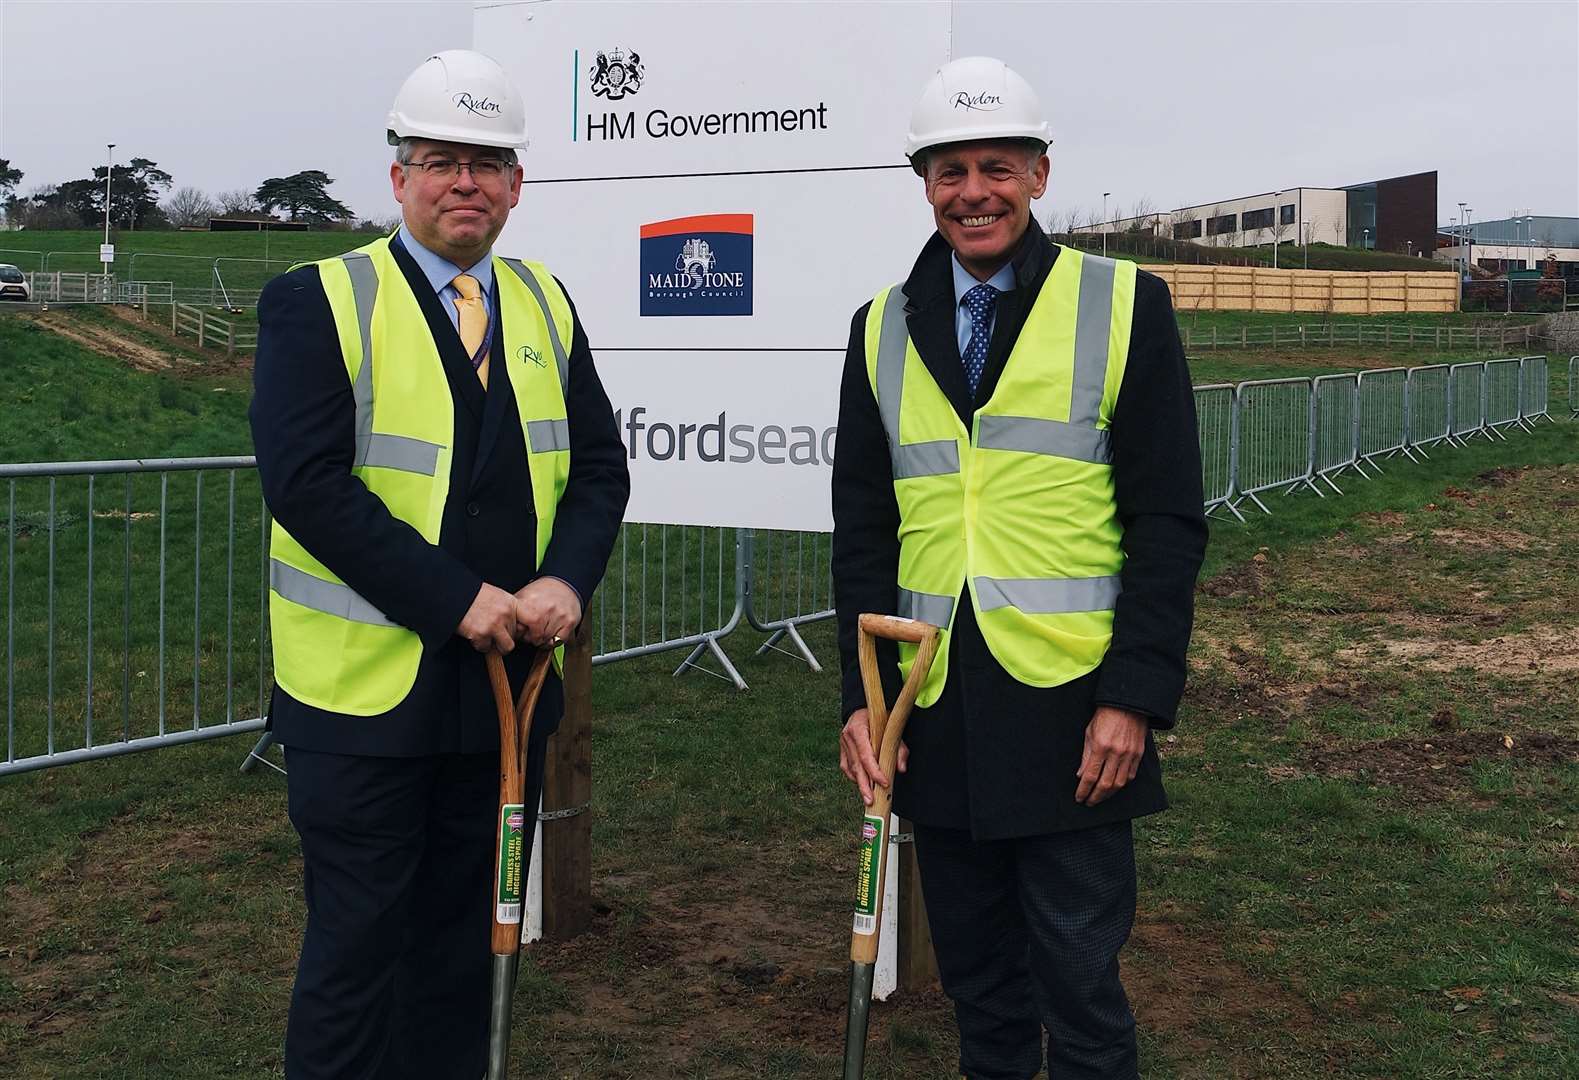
<point x="1176" y="102"/>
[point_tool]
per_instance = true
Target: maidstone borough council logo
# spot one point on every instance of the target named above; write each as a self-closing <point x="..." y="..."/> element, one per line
<point x="616" y="73"/>
<point x="697" y="265"/>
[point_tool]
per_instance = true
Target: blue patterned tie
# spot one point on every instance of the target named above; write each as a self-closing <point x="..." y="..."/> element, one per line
<point x="979" y="301"/>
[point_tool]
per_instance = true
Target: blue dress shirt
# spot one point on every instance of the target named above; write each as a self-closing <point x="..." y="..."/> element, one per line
<point x="440" y="272"/>
<point x="964" y="282"/>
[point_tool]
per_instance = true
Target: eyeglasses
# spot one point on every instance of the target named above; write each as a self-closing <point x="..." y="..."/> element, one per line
<point x="483" y="169"/>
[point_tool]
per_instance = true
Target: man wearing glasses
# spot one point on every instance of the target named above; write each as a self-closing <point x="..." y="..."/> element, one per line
<point x="445" y="478"/>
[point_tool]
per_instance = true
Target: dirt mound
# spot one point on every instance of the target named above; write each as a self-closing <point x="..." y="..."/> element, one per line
<point x="1182" y="984"/>
<point x="1542" y="650"/>
<point x="1429" y="768"/>
<point x="105" y="340"/>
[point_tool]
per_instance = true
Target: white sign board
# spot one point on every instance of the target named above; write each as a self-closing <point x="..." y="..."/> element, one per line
<point x="720" y="187"/>
<point x="106" y="253"/>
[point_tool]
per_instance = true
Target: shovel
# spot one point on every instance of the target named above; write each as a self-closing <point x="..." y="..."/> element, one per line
<point x="515" y="822"/>
<point x="886" y="729"/>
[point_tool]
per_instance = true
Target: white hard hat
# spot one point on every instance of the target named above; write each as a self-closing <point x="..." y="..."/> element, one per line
<point x="975" y="97"/>
<point x="459" y="96"/>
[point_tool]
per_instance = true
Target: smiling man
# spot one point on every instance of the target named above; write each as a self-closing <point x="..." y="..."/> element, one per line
<point x="445" y="478"/>
<point x="1018" y="464"/>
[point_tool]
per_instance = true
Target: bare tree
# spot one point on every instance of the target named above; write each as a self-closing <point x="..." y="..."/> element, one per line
<point x="1213" y="237"/>
<point x="238" y="201"/>
<point x="188" y="206"/>
<point x="384" y="225"/>
<point x="1280" y="229"/>
<point x="1141" y="216"/>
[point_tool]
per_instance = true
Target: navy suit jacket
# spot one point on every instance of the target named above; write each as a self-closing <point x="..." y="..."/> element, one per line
<point x="304" y="432"/>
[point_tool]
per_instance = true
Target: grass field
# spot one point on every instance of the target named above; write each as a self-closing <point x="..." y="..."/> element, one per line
<point x="187" y="259"/>
<point x="1369" y="871"/>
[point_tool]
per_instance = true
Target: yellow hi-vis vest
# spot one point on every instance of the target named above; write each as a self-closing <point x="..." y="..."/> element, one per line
<point x="333" y="649"/>
<point x="1019" y="508"/>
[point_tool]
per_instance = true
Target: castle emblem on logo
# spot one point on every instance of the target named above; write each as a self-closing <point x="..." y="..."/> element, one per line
<point x="695" y="259"/>
<point x="616" y="74"/>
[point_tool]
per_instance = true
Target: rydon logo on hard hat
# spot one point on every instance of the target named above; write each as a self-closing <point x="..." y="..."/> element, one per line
<point x="459" y="96"/>
<point x="975" y="98"/>
<point x="482" y="106"/>
<point x="982" y="102"/>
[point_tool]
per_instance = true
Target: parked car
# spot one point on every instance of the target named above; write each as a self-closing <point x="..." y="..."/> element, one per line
<point x="13" y="283"/>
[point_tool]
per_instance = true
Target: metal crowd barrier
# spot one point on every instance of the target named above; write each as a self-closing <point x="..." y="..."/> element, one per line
<point x="117" y="574"/>
<point x="1503" y="393"/>
<point x="1535" y="391"/>
<point x="670" y="587"/>
<point x="1429" y="405"/>
<point x="104" y="560"/>
<point x="1334" y="427"/>
<point x="1466" y="402"/>
<point x="1276" y="422"/>
<point x="1382" y="415"/>
<point x="789" y="583"/>
<point x="1216" y="420"/>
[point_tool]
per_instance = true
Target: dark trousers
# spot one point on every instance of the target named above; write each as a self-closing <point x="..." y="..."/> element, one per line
<point x="1027" y="934"/>
<point x="398" y="853"/>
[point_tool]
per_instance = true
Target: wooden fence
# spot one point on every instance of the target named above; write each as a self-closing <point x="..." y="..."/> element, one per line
<point x="1386" y="335"/>
<point x="210" y="330"/>
<point x="1336" y="292"/>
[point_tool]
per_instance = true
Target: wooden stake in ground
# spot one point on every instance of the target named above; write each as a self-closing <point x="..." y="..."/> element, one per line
<point x="515" y="825"/>
<point x="886" y="729"/>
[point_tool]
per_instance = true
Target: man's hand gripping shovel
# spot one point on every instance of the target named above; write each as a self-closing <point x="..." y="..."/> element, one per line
<point x="886" y="729"/>
<point x="515" y="822"/>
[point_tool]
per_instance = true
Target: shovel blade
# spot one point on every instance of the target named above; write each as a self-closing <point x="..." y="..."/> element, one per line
<point x="499" y="1016"/>
<point x="856" y="1019"/>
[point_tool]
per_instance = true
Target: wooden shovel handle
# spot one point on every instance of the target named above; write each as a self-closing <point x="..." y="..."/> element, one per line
<point x="895" y="628"/>
<point x="515" y="730"/>
<point x="887" y="728"/>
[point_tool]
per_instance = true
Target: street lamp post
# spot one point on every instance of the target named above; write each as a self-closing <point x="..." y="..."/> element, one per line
<point x="109" y="169"/>
<point x="1469" y="240"/>
<point x="1276" y="195"/>
<point x="1463" y="218"/>
<point x="1105" y="194"/>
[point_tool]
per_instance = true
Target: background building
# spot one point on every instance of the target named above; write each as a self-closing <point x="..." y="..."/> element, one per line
<point x="1397" y="215"/>
<point x="1513" y="243"/>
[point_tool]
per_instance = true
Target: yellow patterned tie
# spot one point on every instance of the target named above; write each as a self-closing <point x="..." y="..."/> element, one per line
<point x="473" y="320"/>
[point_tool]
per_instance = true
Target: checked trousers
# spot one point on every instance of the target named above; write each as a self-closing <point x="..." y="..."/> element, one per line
<point x="1027" y="933"/>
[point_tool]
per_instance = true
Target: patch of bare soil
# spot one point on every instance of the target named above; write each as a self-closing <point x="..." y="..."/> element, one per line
<point x="1486" y="539"/>
<point x="48" y="948"/>
<point x="103" y="340"/>
<point x="1182" y="984"/>
<point x="1543" y="650"/>
<point x="1427" y="769"/>
<point x="214" y="362"/>
<point x="1248" y="579"/>
<point x="741" y="967"/>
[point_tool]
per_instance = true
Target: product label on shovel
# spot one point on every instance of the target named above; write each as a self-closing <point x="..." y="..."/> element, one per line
<point x="512" y="822"/>
<point x="866" y="881"/>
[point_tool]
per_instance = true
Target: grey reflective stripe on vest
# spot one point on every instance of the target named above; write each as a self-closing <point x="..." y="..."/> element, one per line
<point x="399" y="452"/>
<point x="364" y="288"/>
<point x="546" y="435"/>
<point x="1080" y="439"/>
<point x="1093" y="326"/>
<point x="1048" y="596"/>
<point x="937" y="458"/>
<point x="561" y="358"/>
<point x="329" y="597"/>
<point x="1052" y="437"/>
<point x="926" y="607"/>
